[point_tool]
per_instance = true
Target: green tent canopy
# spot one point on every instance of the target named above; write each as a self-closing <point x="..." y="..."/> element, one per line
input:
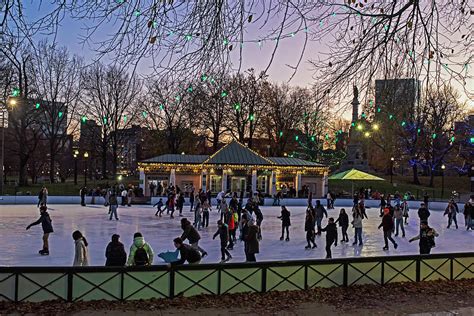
<point x="355" y="175"/>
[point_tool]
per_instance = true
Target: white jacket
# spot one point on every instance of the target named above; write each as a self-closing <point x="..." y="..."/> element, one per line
<point x="81" y="256"/>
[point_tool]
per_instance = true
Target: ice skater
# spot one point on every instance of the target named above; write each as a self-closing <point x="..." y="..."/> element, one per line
<point x="81" y="254"/>
<point x="46" y="224"/>
<point x="159" y="206"/>
<point x="469" y="213"/>
<point x="250" y="238"/>
<point x="285" y="223"/>
<point x="223" y="233"/>
<point x="113" y="205"/>
<point x="331" y="236"/>
<point x="387" y="224"/>
<point x="398" y="216"/>
<point x="451" y="210"/>
<point x="191" y="234"/>
<point x="405" y="210"/>
<point x="309" y="229"/>
<point x="357" y="224"/>
<point x="319" y="212"/>
<point x="423" y="213"/>
<point x="343" y="221"/>
<point x="426" y="237"/>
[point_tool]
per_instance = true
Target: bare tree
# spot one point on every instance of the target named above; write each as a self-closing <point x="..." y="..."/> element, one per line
<point x="56" y="86"/>
<point x="110" y="99"/>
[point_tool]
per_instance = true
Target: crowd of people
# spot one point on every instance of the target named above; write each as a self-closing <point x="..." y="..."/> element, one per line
<point x="244" y="222"/>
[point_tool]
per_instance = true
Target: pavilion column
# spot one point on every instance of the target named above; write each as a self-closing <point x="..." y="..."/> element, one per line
<point x="204" y="179"/>
<point x="325" y="184"/>
<point x="224" y="180"/>
<point x="298" y="183"/>
<point x="254" y="181"/>
<point x="273" y="182"/>
<point x="142" y="182"/>
<point x="172" y="177"/>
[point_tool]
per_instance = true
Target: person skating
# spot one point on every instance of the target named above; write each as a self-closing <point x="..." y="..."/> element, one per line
<point x="81" y="254"/>
<point x="83" y="193"/>
<point x="469" y="213"/>
<point x="113" y="205"/>
<point x="197" y="215"/>
<point x="186" y="253"/>
<point x="250" y="238"/>
<point x="180" y="203"/>
<point x="223" y="233"/>
<point x="159" y="206"/>
<point x="320" y="211"/>
<point x="451" y="211"/>
<point x="309" y="229"/>
<point x="405" y="211"/>
<point x="343" y="221"/>
<point x="426" y="237"/>
<point x="398" y="216"/>
<point x="357" y="224"/>
<point x="115" y="253"/>
<point x="387" y="224"/>
<point x="191" y="199"/>
<point x="331" y="236"/>
<point x="46" y="224"/>
<point x="423" y="213"/>
<point x="191" y="234"/>
<point x="171" y="204"/>
<point x="205" y="213"/>
<point x="124" y="195"/>
<point x="259" y="219"/>
<point x="285" y="223"/>
<point x="141" y="253"/>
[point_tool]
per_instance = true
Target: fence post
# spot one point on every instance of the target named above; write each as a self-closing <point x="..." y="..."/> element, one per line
<point x="451" y="269"/>
<point x="305" y="276"/>
<point x="264" y="280"/>
<point x="345" y="274"/>
<point x="382" y="279"/>
<point x="16" y="287"/>
<point x="171" y="293"/>
<point x="69" y="285"/>
<point x="121" y="284"/>
<point x="219" y="281"/>
<point x="418" y="269"/>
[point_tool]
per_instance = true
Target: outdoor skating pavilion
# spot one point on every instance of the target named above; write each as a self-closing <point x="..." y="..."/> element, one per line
<point x="235" y="168"/>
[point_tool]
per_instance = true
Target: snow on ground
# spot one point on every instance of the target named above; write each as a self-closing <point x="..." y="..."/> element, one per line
<point x="20" y="247"/>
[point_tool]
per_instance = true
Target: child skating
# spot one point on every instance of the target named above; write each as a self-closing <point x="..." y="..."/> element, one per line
<point x="45" y="221"/>
<point x="158" y="206"/>
<point x="285" y="223"/>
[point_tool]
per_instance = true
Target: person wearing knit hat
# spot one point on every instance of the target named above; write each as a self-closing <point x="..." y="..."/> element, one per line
<point x="387" y="224"/>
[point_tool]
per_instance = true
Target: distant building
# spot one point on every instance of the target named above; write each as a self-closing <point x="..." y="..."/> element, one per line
<point x="131" y="142"/>
<point x="395" y="94"/>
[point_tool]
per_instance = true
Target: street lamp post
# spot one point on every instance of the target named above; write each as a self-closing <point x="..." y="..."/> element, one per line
<point x="391" y="169"/>
<point x="442" y="180"/>
<point x="86" y="155"/>
<point x="76" y="154"/>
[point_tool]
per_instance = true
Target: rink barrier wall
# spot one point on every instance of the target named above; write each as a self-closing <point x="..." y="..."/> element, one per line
<point x="70" y="284"/>
<point x="76" y="200"/>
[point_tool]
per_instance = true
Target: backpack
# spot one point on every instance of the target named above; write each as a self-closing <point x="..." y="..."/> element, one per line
<point x="141" y="256"/>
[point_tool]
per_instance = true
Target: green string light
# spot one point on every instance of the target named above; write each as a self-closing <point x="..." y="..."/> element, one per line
<point x="297" y="137"/>
<point x="37" y="106"/>
<point x="137" y="13"/>
<point x="84" y="119"/>
<point x="418" y="130"/>
<point x="125" y="119"/>
<point x="190" y="89"/>
<point x="105" y="119"/>
<point x="60" y="114"/>
<point x="16" y="92"/>
<point x="252" y="117"/>
<point x="224" y="94"/>
<point x="145" y="114"/>
<point x="404" y="123"/>
<point x="453" y="139"/>
<point x="188" y="37"/>
<point x="434" y="135"/>
<point x="378" y="110"/>
<point x="161" y="107"/>
<point x="312" y="138"/>
<point x="237" y="106"/>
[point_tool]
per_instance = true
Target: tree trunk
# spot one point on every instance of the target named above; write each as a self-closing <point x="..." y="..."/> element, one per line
<point x="114" y="159"/>
<point x="52" y="159"/>
<point x="416" y="179"/>
<point x="104" y="158"/>
<point x="23" y="180"/>
<point x="431" y="178"/>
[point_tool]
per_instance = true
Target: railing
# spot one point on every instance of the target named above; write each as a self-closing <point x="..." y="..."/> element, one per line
<point x="71" y="284"/>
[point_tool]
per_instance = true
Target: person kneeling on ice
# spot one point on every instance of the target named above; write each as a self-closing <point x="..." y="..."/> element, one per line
<point x="331" y="236"/>
<point x="186" y="253"/>
<point x="427" y="238"/>
<point x="223" y="233"/>
<point x="141" y="253"/>
<point x="47" y="226"/>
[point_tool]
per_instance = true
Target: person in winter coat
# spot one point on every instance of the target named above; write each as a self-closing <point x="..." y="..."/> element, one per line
<point x="309" y="229"/>
<point x="159" y="206"/>
<point x="129" y="197"/>
<point x="141" y="253"/>
<point x="320" y="211"/>
<point x="191" y="234"/>
<point x="469" y="213"/>
<point x="83" y="193"/>
<point x="357" y="224"/>
<point x="115" y="253"/>
<point x="398" y="216"/>
<point x="405" y="211"/>
<point x="186" y="253"/>
<point x="113" y="205"/>
<point x="191" y="199"/>
<point x="180" y="203"/>
<point x="423" y="212"/>
<point x="451" y="211"/>
<point x="426" y="237"/>
<point x="285" y="223"/>
<point x="343" y="221"/>
<point x="223" y="233"/>
<point x="46" y="224"/>
<point x="259" y="219"/>
<point x="387" y="224"/>
<point x="81" y="254"/>
<point x="205" y="207"/>
<point x="331" y="236"/>
<point x="171" y="204"/>
<point x="197" y="214"/>
<point x="250" y="237"/>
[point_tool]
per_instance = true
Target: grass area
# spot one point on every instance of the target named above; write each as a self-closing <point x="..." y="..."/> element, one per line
<point x="67" y="188"/>
<point x="404" y="184"/>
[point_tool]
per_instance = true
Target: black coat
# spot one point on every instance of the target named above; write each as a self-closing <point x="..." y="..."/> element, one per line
<point x="46" y="223"/>
<point x="115" y="254"/>
<point x="343" y="220"/>
<point x="187" y="253"/>
<point x="223" y="233"/>
<point x="331" y="231"/>
<point x="309" y="223"/>
<point x="423" y="213"/>
<point x="285" y="218"/>
<point x="250" y="233"/>
<point x="190" y="233"/>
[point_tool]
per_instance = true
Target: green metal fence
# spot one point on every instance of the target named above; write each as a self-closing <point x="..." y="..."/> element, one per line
<point x="71" y="284"/>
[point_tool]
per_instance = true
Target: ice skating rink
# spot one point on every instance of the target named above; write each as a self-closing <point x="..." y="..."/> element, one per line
<point x="19" y="247"/>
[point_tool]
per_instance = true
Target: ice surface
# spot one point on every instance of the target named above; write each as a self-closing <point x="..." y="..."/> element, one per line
<point x="20" y="247"/>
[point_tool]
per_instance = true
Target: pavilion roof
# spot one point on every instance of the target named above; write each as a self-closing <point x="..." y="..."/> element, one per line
<point x="236" y="153"/>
